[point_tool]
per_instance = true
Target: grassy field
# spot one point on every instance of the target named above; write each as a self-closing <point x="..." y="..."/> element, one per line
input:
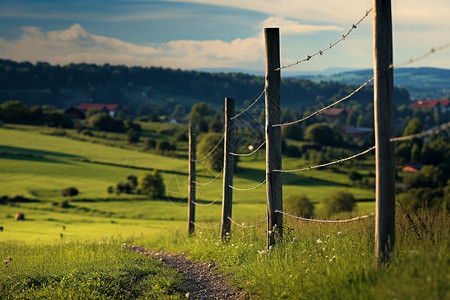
<point x="38" y="166"/>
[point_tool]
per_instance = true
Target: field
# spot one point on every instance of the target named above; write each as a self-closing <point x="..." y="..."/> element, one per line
<point x="37" y="166"/>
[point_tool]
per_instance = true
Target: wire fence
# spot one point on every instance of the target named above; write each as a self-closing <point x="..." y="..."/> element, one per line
<point x="325" y="221"/>
<point x="247" y="189"/>
<point x="242" y="225"/>
<point x="320" y="52"/>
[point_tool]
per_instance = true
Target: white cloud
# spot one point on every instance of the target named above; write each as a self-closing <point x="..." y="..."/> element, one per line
<point x="75" y="44"/>
<point x="292" y="27"/>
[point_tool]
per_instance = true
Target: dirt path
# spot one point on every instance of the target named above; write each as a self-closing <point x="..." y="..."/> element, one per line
<point x="201" y="279"/>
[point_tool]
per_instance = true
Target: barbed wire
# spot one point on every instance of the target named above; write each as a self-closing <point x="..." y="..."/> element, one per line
<point x="326" y="107"/>
<point x="251" y="153"/>
<point x="248" y="189"/>
<point x="325" y="221"/>
<point x="421" y="134"/>
<point x="210" y="152"/>
<point x="209" y="182"/>
<point x="320" y="52"/>
<point x="246" y="226"/>
<point x="248" y="107"/>
<point x="208" y="204"/>
<point x="327" y="164"/>
<point x="413" y="60"/>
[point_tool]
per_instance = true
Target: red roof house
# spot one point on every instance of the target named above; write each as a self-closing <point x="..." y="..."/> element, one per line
<point x="436" y="105"/>
<point x="111" y="109"/>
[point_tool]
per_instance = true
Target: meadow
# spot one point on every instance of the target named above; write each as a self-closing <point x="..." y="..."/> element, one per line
<point x="326" y="261"/>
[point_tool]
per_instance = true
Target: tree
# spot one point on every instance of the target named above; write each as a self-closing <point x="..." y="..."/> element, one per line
<point x="213" y="159"/>
<point x="69" y="192"/>
<point x="105" y="122"/>
<point x="339" y="201"/>
<point x="152" y="184"/>
<point x="133" y="136"/>
<point x="323" y="134"/>
<point x="299" y="205"/>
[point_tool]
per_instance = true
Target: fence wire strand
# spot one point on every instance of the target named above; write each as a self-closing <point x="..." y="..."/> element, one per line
<point x="207" y="204"/>
<point x="250" y="106"/>
<point x="249" y="154"/>
<point x="326" y="107"/>
<point x="325" y="221"/>
<point x="248" y="189"/>
<point x="421" y="134"/>
<point x="211" y="181"/>
<point x="247" y="226"/>
<point x="320" y="52"/>
<point x="327" y="164"/>
<point x="210" y="152"/>
<point x="413" y="60"/>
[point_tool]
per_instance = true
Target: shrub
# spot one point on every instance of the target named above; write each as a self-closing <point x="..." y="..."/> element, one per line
<point x="299" y="205"/>
<point x="354" y="176"/>
<point x="339" y="201"/>
<point x="69" y="192"/>
<point x="132" y="136"/>
<point x="213" y="159"/>
<point x="150" y="144"/>
<point x="152" y="184"/>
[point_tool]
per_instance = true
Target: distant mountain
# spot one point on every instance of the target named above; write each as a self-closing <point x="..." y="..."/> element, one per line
<point x="421" y="83"/>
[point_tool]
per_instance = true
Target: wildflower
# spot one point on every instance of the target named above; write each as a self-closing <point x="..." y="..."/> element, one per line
<point x="339" y="233"/>
<point x="294" y="240"/>
<point x="262" y="251"/>
<point x="319" y="241"/>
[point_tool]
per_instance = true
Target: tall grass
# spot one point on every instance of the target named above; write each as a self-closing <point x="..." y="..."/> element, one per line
<point x="94" y="270"/>
<point x="327" y="261"/>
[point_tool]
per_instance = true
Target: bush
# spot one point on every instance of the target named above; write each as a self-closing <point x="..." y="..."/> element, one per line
<point x="132" y="136"/>
<point x="354" y="176"/>
<point x="104" y="122"/>
<point x="339" y="201"/>
<point x="150" y="144"/>
<point x="69" y="192"/>
<point x="214" y="159"/>
<point x="299" y="205"/>
<point x="152" y="184"/>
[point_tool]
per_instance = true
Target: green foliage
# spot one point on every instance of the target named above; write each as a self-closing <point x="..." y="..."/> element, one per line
<point x="214" y="161"/>
<point x="133" y="136"/>
<point x="354" y="176"/>
<point x="105" y="122"/>
<point x="164" y="146"/>
<point x="150" y="144"/>
<point x="152" y="184"/>
<point x="70" y="192"/>
<point x="323" y="134"/>
<point x="299" y="205"/>
<point x="339" y="201"/>
<point x="74" y="270"/>
<point x="294" y="132"/>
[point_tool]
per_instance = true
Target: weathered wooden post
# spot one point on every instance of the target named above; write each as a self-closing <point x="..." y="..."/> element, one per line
<point x="228" y="167"/>
<point x="273" y="136"/>
<point x="384" y="131"/>
<point x="191" y="187"/>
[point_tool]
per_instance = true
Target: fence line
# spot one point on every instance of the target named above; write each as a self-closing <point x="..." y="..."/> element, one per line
<point x="421" y="134"/>
<point x="209" y="204"/>
<point x="251" y="153"/>
<point x="326" y="107"/>
<point x="210" y="152"/>
<point x="209" y="182"/>
<point x="246" y="226"/>
<point x="248" y="107"/>
<point x="432" y="51"/>
<point x="325" y="221"/>
<point x="248" y="189"/>
<point x="320" y="52"/>
<point x="327" y="164"/>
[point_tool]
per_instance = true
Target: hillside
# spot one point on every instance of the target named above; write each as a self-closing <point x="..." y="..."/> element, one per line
<point x="149" y="90"/>
<point x="421" y="83"/>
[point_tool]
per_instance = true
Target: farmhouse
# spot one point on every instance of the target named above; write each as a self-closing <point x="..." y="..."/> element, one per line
<point x="442" y="106"/>
<point x="111" y="109"/>
<point x="332" y="115"/>
<point x="75" y="113"/>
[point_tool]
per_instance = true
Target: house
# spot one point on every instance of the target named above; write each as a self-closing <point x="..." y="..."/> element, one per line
<point x="111" y="109"/>
<point x="357" y="132"/>
<point x="75" y="113"/>
<point x="332" y="115"/>
<point x="442" y="106"/>
<point x="414" y="168"/>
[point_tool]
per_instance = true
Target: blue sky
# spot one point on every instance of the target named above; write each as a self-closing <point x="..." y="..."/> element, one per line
<point x="215" y="34"/>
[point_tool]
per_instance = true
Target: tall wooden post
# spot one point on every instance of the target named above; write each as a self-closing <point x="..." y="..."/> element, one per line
<point x="273" y="136"/>
<point x="191" y="187"/>
<point x="228" y="167"/>
<point x="384" y="131"/>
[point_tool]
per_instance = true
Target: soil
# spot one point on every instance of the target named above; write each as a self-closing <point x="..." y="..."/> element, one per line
<point x="201" y="280"/>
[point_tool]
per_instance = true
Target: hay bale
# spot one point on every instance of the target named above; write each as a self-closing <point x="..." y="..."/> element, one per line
<point x="19" y="216"/>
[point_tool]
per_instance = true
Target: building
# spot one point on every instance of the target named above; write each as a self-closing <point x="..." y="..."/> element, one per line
<point x="75" y="113"/>
<point x="112" y="109"/>
<point x="332" y="115"/>
<point x="442" y="106"/>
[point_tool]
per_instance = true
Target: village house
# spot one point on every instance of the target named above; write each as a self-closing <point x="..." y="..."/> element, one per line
<point x="441" y="106"/>
<point x="112" y="109"/>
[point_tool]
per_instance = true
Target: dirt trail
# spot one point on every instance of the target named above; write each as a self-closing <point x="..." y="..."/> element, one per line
<point x="201" y="280"/>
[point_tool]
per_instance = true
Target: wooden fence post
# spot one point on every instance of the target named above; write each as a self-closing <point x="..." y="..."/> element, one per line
<point x="192" y="174"/>
<point x="384" y="131"/>
<point x="273" y="136"/>
<point x="228" y="167"/>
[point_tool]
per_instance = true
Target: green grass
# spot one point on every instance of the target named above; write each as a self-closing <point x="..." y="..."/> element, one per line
<point x="340" y="266"/>
<point x="71" y="270"/>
